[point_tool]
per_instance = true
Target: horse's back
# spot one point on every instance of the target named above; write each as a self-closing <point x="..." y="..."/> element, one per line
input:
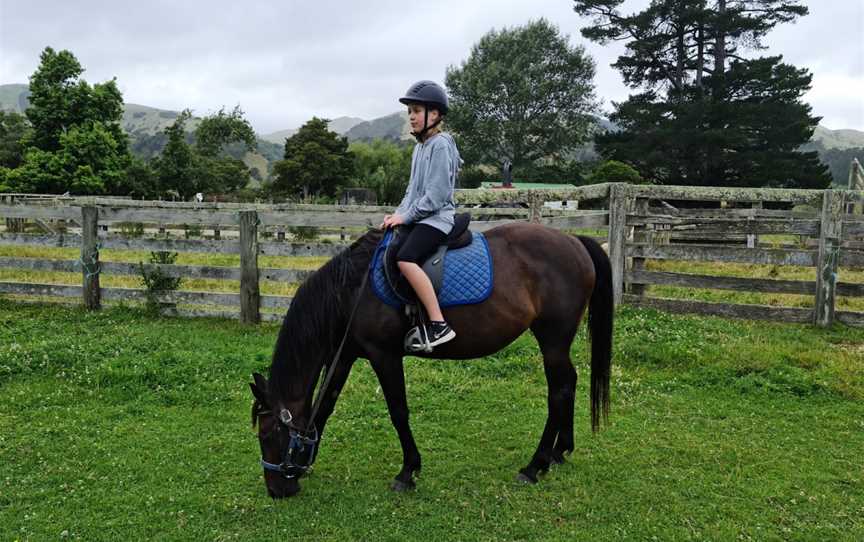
<point x="538" y="273"/>
<point x="542" y="252"/>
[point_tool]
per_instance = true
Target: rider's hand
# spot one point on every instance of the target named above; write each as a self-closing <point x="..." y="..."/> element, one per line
<point x="392" y="220"/>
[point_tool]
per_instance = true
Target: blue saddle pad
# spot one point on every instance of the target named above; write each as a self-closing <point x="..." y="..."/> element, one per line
<point x="467" y="275"/>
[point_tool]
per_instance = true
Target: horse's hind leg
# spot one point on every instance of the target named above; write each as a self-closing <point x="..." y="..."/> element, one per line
<point x="557" y="438"/>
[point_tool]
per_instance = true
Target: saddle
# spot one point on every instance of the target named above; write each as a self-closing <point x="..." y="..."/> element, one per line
<point x="433" y="266"/>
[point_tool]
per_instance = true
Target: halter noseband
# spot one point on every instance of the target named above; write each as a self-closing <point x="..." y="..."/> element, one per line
<point x="298" y="443"/>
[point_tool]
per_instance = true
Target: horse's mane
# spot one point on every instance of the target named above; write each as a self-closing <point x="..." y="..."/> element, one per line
<point x="319" y="312"/>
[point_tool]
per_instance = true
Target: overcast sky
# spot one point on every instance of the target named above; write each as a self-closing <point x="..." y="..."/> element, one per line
<point x="284" y="61"/>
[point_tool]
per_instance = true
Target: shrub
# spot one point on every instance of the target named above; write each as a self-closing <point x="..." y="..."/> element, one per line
<point x="613" y="171"/>
<point x="156" y="281"/>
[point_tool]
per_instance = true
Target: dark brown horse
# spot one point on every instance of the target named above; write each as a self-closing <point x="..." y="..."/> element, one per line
<point x="543" y="281"/>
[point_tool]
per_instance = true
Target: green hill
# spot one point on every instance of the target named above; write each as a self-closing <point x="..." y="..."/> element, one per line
<point x="340" y="125"/>
<point x="393" y="127"/>
<point x="14" y="97"/>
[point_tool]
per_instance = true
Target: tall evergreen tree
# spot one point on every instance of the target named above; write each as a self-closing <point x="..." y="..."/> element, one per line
<point x="707" y="115"/>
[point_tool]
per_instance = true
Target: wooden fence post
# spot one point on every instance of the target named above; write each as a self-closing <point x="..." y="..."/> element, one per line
<point x="752" y="238"/>
<point x="830" y="238"/>
<point x="535" y="211"/>
<point x="250" y="294"/>
<point x="618" y="204"/>
<point x="90" y="266"/>
<point x="641" y="234"/>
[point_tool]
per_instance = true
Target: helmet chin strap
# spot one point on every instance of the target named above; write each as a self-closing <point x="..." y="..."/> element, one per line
<point x="419" y="135"/>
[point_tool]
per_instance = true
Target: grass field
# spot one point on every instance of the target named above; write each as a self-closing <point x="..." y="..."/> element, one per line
<point x="115" y="425"/>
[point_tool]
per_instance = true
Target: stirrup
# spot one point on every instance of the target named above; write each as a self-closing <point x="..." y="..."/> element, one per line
<point x="417" y="340"/>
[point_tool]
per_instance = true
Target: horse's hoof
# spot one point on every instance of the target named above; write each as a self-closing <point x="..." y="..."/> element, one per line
<point x="525" y="478"/>
<point x="401" y="487"/>
<point x="558" y="458"/>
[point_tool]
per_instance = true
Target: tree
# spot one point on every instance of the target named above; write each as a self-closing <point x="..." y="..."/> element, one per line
<point x="384" y="167"/>
<point x="141" y="181"/>
<point x="59" y="100"/>
<point x="76" y="144"/>
<point x="87" y="161"/>
<point x="317" y="162"/>
<point x="14" y="131"/>
<point x="175" y="167"/>
<point x="612" y="171"/>
<point x="523" y="94"/>
<point x="217" y="131"/>
<point x="186" y="169"/>
<point x="706" y="114"/>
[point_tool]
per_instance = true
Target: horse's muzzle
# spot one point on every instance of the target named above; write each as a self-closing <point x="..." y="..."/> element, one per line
<point x="284" y="487"/>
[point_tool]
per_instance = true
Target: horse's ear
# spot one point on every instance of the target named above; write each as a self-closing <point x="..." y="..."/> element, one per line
<point x="259" y="389"/>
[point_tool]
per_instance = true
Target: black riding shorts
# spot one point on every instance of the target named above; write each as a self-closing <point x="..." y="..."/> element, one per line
<point x="420" y="244"/>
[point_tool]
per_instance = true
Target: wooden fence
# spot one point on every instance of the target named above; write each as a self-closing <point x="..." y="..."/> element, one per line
<point x="643" y="223"/>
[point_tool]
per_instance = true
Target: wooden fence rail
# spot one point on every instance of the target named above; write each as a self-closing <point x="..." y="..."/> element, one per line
<point x="644" y="224"/>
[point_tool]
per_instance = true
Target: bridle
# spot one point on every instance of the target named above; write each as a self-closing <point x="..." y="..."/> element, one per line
<point x="305" y="441"/>
<point x="300" y="442"/>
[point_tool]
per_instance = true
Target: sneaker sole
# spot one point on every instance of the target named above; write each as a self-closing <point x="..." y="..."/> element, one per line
<point x="446" y="338"/>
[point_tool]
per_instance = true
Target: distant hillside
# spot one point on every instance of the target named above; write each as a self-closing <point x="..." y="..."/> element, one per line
<point x="14" y="97"/>
<point x="837" y="149"/>
<point x="280" y="136"/>
<point x="143" y="120"/>
<point x="339" y="125"/>
<point x="838" y="139"/>
<point x="393" y="127"/>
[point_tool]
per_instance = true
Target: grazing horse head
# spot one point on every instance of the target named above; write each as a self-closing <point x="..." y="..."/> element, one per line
<point x="288" y="446"/>
<point x="283" y="407"/>
<point x="274" y="437"/>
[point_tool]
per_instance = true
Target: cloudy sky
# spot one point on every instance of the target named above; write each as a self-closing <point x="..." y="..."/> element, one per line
<point x="284" y="61"/>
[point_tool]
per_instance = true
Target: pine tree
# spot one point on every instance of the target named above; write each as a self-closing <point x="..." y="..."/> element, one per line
<point x="707" y="115"/>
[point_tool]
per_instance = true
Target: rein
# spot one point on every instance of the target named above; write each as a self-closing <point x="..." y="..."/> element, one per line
<point x="307" y="439"/>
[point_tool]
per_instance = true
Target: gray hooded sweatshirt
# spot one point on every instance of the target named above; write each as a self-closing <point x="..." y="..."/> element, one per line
<point x="429" y="198"/>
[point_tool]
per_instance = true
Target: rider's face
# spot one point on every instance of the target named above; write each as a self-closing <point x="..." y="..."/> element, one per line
<point x="415" y="116"/>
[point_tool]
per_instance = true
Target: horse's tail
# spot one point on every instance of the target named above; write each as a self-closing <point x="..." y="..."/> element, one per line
<point x="600" y="316"/>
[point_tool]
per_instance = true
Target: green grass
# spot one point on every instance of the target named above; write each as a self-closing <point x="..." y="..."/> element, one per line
<point x="115" y="425"/>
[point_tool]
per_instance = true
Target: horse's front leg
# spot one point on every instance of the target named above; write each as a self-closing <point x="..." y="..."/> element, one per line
<point x="328" y="402"/>
<point x="391" y="375"/>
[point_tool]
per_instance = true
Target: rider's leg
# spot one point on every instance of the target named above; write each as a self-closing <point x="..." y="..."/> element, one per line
<point x="423" y="288"/>
<point x="421" y="243"/>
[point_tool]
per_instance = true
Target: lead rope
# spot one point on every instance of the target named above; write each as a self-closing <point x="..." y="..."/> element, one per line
<point x="322" y="391"/>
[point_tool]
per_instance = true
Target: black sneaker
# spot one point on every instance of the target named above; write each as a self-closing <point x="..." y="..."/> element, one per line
<point x="440" y="333"/>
